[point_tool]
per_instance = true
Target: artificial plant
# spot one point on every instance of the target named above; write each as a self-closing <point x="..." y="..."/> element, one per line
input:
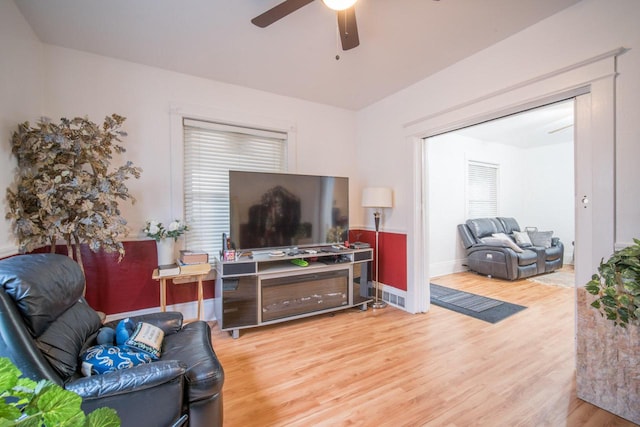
<point x="617" y="286"/>
<point x="65" y="188"/>
<point x="24" y="402"/>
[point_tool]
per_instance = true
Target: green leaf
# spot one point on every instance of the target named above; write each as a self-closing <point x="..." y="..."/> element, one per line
<point x="33" y="421"/>
<point x="9" y="374"/>
<point x="608" y="301"/>
<point x="60" y="407"/>
<point x="9" y="412"/>
<point x="596" y="304"/>
<point x="593" y="286"/>
<point x="623" y="312"/>
<point x="624" y="300"/>
<point x="103" y="417"/>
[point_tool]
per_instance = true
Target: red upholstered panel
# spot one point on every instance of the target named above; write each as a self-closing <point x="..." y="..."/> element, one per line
<point x="114" y="287"/>
<point x="393" y="255"/>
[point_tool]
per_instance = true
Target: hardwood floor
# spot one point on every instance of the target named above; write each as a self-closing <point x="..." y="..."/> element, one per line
<point x="390" y="368"/>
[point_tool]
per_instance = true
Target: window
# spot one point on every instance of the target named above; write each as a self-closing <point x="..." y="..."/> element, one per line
<point x="482" y="189"/>
<point x="210" y="151"/>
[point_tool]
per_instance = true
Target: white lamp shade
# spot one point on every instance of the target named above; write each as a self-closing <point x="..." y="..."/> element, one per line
<point x="339" y="4"/>
<point x="377" y="197"/>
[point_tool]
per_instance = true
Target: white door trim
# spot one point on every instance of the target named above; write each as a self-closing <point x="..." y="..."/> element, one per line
<point x="596" y="76"/>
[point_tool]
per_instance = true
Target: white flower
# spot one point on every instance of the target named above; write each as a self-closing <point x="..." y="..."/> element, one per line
<point x="157" y="231"/>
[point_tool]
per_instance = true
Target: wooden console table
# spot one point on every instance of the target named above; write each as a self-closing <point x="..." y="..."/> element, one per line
<point x="199" y="274"/>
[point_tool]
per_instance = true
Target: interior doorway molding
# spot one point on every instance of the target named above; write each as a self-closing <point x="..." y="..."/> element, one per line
<point x="594" y="76"/>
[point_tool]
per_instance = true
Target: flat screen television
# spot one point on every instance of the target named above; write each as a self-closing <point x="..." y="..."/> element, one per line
<point x="279" y="210"/>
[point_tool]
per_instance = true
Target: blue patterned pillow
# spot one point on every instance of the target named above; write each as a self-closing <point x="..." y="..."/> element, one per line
<point x="101" y="359"/>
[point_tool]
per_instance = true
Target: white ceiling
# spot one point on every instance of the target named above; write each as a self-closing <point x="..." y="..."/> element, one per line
<point x="551" y="124"/>
<point x="401" y="41"/>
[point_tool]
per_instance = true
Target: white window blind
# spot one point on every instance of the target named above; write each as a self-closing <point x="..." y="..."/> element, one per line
<point x="211" y="150"/>
<point x="482" y="190"/>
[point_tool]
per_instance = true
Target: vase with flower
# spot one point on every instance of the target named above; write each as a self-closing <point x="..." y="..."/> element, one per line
<point x="166" y="238"/>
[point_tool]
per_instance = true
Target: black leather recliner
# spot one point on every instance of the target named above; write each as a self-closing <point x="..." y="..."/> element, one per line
<point x="502" y="260"/>
<point x="45" y="324"/>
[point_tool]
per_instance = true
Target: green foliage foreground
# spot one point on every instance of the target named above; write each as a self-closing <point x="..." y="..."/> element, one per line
<point x="617" y="286"/>
<point x="28" y="403"/>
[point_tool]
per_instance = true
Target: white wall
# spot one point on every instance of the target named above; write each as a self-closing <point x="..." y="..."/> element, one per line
<point x="447" y="167"/>
<point x="21" y="81"/>
<point x="78" y="84"/>
<point x="548" y="191"/>
<point x="535" y="187"/>
<point x="583" y="31"/>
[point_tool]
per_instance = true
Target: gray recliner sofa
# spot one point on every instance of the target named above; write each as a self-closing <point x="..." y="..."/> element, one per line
<point x="497" y="257"/>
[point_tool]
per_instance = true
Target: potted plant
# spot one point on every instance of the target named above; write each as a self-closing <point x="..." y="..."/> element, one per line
<point x="608" y="335"/>
<point x="165" y="238"/>
<point x="44" y="403"/>
<point x="65" y="188"/>
<point x="617" y="286"/>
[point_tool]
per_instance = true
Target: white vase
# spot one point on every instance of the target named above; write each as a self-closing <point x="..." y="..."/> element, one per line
<point x="166" y="251"/>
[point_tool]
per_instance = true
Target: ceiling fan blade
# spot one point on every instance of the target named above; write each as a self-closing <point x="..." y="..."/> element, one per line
<point x="348" y="28"/>
<point x="279" y="12"/>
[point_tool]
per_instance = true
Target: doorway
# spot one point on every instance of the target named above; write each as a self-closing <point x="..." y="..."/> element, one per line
<point x="530" y="155"/>
<point x="592" y="83"/>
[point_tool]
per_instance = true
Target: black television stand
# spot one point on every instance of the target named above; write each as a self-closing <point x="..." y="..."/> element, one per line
<point x="264" y="289"/>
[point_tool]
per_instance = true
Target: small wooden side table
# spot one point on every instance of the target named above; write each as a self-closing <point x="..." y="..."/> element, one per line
<point x="199" y="273"/>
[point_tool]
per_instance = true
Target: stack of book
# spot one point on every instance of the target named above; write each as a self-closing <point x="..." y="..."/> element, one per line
<point x="188" y="262"/>
<point x="193" y="262"/>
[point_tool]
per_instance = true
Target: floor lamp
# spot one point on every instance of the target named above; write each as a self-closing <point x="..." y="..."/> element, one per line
<point x="377" y="198"/>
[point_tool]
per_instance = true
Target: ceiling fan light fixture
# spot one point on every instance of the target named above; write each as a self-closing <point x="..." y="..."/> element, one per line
<point x="339" y="4"/>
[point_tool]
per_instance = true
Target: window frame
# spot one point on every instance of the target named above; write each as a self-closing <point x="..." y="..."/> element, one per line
<point x="467" y="201"/>
<point x="180" y="113"/>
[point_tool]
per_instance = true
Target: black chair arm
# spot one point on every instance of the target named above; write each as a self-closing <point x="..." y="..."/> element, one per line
<point x="132" y="380"/>
<point x="145" y="395"/>
<point x="170" y="322"/>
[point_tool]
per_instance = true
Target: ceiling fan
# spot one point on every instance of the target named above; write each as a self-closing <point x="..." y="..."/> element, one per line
<point x="345" y="10"/>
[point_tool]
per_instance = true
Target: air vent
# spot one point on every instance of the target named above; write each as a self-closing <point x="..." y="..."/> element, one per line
<point x="394" y="297"/>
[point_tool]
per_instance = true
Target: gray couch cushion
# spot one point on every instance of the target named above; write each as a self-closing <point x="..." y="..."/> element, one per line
<point x="527" y="257"/>
<point x="541" y="238"/>
<point x="510" y="224"/>
<point x="553" y="253"/>
<point x="484" y="227"/>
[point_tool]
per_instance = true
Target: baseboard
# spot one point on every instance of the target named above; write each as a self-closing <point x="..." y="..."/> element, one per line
<point x="447" y="267"/>
<point x="188" y="310"/>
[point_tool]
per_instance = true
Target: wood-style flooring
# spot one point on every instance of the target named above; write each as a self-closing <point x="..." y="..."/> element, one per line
<point x="390" y="368"/>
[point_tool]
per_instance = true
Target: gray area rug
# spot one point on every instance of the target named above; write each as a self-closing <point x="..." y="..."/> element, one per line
<point x="566" y="279"/>
<point x="477" y="306"/>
